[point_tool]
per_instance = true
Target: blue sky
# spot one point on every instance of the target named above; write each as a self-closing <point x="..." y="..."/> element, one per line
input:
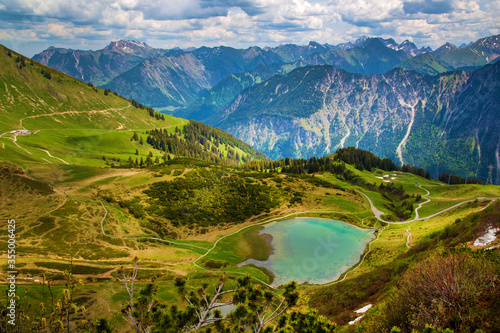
<point x="30" y="26"/>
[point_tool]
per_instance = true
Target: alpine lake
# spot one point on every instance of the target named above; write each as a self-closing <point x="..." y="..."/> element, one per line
<point x="311" y="250"/>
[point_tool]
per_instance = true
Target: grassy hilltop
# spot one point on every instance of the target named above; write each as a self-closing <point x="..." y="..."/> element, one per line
<point x="100" y="181"/>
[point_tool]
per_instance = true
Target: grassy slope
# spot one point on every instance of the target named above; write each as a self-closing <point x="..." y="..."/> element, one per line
<point x="73" y="121"/>
<point x="442" y="196"/>
<point x="77" y="124"/>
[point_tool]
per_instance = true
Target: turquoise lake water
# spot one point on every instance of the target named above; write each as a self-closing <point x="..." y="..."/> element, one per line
<point x="312" y="250"/>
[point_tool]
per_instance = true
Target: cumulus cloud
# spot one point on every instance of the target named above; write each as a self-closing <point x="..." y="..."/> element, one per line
<point x="242" y="23"/>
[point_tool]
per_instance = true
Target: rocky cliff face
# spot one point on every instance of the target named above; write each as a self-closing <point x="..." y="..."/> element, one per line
<point x="370" y="57"/>
<point x="444" y="122"/>
<point x="159" y="81"/>
<point x="98" y="67"/>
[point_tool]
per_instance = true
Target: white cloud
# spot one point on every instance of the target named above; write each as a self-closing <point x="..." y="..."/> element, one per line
<point x="363" y="12"/>
<point x="58" y="30"/>
<point x="242" y="23"/>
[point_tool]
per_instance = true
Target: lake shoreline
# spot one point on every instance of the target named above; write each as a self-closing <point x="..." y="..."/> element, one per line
<point x="264" y="242"/>
<point x="339" y="218"/>
<point x="268" y="239"/>
<point x="322" y="241"/>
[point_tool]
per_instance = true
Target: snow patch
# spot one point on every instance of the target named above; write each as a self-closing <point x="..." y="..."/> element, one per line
<point x="364" y="308"/>
<point x="352" y="322"/>
<point x="487" y="238"/>
<point x="361" y="311"/>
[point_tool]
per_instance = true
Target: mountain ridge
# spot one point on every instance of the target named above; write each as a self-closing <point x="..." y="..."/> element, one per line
<point x="110" y="67"/>
<point x="403" y="115"/>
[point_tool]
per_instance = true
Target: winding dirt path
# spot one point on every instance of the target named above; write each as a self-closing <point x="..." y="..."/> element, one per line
<point x="69" y="112"/>
<point x="416" y="215"/>
<point x="378" y="213"/>
<point x="57" y="158"/>
<point x="375" y="211"/>
<point x="18" y="146"/>
<point x="408" y="237"/>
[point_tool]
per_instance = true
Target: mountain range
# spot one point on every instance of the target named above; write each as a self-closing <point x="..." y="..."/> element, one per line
<point x="176" y="78"/>
<point x="435" y="109"/>
<point x="443" y="122"/>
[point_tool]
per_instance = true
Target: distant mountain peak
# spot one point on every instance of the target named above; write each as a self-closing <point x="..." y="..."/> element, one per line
<point x="360" y="40"/>
<point x="371" y="42"/>
<point x="390" y="43"/>
<point x="409" y="47"/>
<point x="315" y="44"/>
<point x="445" y="48"/>
<point x="465" y="45"/>
<point x="128" y="46"/>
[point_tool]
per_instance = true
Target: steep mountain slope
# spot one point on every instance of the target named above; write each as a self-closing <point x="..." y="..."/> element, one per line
<point x="224" y="92"/>
<point x="179" y="79"/>
<point x="445" y="122"/>
<point x="222" y="60"/>
<point x="373" y="56"/>
<point x="155" y="85"/>
<point x="36" y="95"/>
<point x="425" y="63"/>
<point x="480" y="53"/>
<point x="161" y="81"/>
<point x="97" y="67"/>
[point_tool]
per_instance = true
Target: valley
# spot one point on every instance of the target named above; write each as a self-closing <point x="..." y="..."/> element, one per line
<point x="100" y="180"/>
<point x="393" y="99"/>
